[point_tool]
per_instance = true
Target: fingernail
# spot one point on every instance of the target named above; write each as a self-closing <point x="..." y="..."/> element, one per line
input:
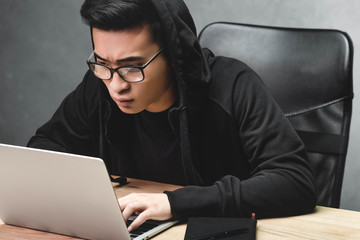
<point x="130" y="228"/>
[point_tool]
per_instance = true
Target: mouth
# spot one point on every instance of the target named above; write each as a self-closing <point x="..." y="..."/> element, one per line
<point x="123" y="102"/>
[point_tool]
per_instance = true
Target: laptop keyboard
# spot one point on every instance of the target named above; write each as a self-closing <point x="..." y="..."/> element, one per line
<point x="146" y="226"/>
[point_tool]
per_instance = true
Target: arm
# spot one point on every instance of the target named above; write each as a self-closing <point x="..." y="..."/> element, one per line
<point x="281" y="181"/>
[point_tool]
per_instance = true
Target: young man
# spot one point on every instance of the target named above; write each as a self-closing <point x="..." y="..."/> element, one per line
<point x="156" y="106"/>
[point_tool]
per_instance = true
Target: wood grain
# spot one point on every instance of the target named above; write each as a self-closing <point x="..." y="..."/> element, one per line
<point x="323" y="224"/>
<point x="141" y="186"/>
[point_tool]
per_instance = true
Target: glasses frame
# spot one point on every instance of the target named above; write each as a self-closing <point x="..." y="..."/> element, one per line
<point x="113" y="70"/>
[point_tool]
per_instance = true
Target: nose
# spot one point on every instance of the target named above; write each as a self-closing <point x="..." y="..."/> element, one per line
<point x="118" y="84"/>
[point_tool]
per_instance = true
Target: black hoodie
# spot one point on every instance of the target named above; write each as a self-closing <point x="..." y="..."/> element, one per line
<point x="239" y="152"/>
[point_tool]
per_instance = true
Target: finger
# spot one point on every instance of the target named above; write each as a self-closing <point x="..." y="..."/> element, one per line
<point x="124" y="201"/>
<point x="131" y="208"/>
<point x="122" y="204"/>
<point x="127" y="212"/>
<point x="139" y="220"/>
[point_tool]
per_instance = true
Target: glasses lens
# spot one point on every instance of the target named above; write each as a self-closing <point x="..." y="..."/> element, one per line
<point x="100" y="71"/>
<point x="131" y="74"/>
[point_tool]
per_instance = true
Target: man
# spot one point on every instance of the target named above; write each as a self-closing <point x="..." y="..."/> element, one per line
<point x="156" y="106"/>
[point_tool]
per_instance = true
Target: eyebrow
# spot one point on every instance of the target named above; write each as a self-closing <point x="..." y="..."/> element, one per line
<point x="118" y="61"/>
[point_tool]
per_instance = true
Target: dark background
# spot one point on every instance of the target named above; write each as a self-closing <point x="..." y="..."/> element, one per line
<point x="43" y="48"/>
<point x="44" y="45"/>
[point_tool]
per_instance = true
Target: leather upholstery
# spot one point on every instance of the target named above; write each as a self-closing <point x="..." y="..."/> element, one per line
<point x="309" y="74"/>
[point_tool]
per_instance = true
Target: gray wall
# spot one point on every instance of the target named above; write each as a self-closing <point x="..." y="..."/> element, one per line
<point x="43" y="47"/>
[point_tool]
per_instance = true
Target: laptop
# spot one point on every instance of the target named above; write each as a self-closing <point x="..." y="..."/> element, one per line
<point x="63" y="193"/>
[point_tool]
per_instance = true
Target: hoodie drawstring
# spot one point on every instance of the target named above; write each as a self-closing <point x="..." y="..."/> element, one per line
<point x="192" y="177"/>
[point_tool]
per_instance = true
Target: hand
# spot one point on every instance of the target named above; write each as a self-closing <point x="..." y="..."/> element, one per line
<point x="146" y="206"/>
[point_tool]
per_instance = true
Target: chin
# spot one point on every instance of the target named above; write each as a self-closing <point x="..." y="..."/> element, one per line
<point x="130" y="110"/>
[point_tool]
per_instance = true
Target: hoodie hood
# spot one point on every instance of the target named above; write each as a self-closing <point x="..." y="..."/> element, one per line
<point x="191" y="69"/>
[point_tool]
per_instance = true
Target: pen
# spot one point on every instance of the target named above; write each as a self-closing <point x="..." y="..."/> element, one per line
<point x="219" y="235"/>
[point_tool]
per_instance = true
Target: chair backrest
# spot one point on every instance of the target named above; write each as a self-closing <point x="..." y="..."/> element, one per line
<point x="309" y="74"/>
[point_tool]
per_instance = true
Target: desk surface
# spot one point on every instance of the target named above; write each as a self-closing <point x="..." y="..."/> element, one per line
<point x="324" y="224"/>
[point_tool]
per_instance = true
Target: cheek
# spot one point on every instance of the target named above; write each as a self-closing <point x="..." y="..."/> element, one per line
<point x="161" y="78"/>
<point x="156" y="87"/>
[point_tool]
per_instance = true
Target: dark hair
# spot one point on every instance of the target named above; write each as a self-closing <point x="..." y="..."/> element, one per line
<point x="121" y="15"/>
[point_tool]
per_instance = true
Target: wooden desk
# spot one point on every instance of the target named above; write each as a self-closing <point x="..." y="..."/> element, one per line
<point x="324" y="224"/>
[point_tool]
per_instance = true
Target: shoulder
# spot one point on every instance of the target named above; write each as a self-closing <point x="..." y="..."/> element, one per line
<point x="87" y="95"/>
<point x="232" y="81"/>
<point x="89" y="86"/>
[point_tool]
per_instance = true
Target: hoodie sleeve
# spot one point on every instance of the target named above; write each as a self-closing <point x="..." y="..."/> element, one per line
<point x="281" y="182"/>
<point x="69" y="128"/>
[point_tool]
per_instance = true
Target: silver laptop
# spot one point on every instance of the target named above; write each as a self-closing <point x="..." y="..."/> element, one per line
<point x="62" y="193"/>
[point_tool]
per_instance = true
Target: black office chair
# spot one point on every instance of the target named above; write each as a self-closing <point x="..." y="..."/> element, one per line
<point x="309" y="74"/>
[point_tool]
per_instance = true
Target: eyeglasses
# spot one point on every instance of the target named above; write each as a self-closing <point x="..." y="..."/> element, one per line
<point x="127" y="73"/>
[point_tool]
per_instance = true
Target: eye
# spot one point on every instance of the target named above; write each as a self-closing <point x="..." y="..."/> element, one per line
<point x="101" y="63"/>
<point x="137" y="64"/>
